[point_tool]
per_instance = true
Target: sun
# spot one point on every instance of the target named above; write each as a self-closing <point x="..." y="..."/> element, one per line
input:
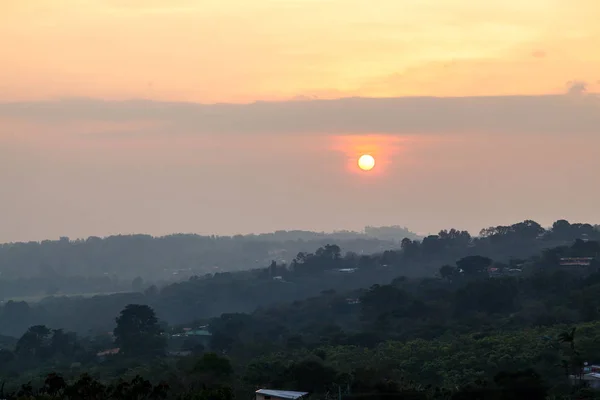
<point x="366" y="162"/>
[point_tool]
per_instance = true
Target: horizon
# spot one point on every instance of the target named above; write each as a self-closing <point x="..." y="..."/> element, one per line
<point x="91" y="130"/>
<point x="362" y="231"/>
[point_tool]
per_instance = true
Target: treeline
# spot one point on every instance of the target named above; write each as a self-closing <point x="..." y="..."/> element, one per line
<point x="528" y="362"/>
<point x="525" y="385"/>
<point x="101" y="265"/>
<point x="544" y="295"/>
<point x="306" y="275"/>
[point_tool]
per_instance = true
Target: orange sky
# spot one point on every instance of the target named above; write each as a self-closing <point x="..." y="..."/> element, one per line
<point x="95" y="164"/>
<point x="245" y="50"/>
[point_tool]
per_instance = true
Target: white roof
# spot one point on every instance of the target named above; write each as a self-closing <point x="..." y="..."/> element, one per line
<point x="282" y="394"/>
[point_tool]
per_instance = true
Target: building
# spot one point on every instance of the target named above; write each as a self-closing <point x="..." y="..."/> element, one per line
<point x="576" y="261"/>
<point x="189" y="338"/>
<point x="591" y="379"/>
<point x="107" y="353"/>
<point x="180" y="353"/>
<point x="347" y="270"/>
<point x="494" y="272"/>
<point x="590" y="376"/>
<point x="583" y="265"/>
<point x="270" y="394"/>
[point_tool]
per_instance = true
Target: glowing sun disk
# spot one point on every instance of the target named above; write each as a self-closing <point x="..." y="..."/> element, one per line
<point x="366" y="162"/>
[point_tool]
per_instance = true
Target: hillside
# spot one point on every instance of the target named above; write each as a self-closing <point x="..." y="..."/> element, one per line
<point x="466" y="332"/>
<point x="308" y="274"/>
<point x="131" y="262"/>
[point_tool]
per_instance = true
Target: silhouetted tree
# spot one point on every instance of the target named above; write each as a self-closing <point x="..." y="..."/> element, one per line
<point x="138" y="332"/>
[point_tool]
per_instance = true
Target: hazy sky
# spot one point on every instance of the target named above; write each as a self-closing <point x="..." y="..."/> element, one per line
<point x="109" y="122"/>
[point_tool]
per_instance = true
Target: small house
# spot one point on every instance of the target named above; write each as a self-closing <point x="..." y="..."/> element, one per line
<point x="576" y="261"/>
<point x="347" y="270"/>
<point x="592" y="379"/>
<point x="270" y="394"/>
<point x="494" y="272"/>
<point x="180" y="353"/>
<point x="107" y="353"/>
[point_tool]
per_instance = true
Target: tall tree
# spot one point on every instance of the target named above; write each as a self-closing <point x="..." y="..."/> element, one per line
<point x="138" y="332"/>
<point x="35" y="342"/>
<point x="473" y="265"/>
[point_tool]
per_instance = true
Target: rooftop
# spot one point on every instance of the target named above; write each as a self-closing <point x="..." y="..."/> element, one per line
<point x="282" y="394"/>
<point x="198" y="332"/>
<point x="108" y="352"/>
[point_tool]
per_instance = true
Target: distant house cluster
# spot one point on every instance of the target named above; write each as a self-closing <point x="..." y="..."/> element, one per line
<point x="202" y="334"/>
<point x="590" y="375"/>
<point x="568" y="263"/>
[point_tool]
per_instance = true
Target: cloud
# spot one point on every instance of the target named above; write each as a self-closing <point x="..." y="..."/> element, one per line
<point x="576" y="87"/>
<point x="552" y="114"/>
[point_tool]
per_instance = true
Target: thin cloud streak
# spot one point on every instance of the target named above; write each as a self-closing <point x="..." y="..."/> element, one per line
<point x="575" y="112"/>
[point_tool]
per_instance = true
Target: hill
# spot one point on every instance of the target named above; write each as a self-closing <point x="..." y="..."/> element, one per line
<point x="308" y="274"/>
<point x="131" y="262"/>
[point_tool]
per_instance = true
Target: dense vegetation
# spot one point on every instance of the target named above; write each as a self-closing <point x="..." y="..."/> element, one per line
<point x="308" y="274"/>
<point x="426" y="321"/>
<point x="134" y="262"/>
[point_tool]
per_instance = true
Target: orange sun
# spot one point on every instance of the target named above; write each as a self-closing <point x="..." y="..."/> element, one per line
<point x="366" y="162"/>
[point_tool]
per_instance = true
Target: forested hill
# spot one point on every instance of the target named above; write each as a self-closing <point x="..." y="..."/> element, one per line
<point x="122" y="263"/>
<point x="307" y="275"/>
<point x="466" y="334"/>
<point x="129" y="256"/>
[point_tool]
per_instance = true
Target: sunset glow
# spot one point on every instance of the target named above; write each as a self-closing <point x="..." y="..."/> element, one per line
<point x="216" y="51"/>
<point x="163" y="116"/>
<point x="382" y="148"/>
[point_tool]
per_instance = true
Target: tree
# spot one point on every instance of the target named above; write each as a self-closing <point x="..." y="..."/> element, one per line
<point x="214" y="366"/>
<point x="54" y="384"/>
<point x="409" y="247"/>
<point x="139" y="388"/>
<point x="63" y="343"/>
<point x="447" y="271"/>
<point x="329" y="252"/>
<point x="36" y="342"/>
<point x="431" y="245"/>
<point x="138" y="332"/>
<point x="568" y="337"/>
<point x="561" y="229"/>
<point x="136" y="284"/>
<point x="6" y="356"/>
<point x="311" y="374"/>
<point x="525" y="384"/>
<point x="455" y="238"/>
<point x="527" y="229"/>
<point x="473" y="265"/>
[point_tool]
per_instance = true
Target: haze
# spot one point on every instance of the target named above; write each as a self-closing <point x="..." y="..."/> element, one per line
<point x="236" y="116"/>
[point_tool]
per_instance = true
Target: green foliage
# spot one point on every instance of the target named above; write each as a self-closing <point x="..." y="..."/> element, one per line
<point x="330" y="324"/>
<point x="207" y="294"/>
<point x="213" y="369"/>
<point x="138" y="333"/>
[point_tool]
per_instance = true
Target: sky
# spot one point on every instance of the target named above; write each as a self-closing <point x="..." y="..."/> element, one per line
<point x="238" y="116"/>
